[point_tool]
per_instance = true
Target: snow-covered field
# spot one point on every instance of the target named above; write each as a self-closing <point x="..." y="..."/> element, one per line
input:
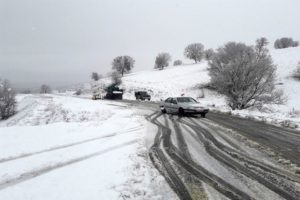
<point x="185" y="79"/>
<point x="172" y="81"/>
<point x="59" y="147"/>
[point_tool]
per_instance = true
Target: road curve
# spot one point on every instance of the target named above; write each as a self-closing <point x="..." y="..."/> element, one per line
<point x="215" y="152"/>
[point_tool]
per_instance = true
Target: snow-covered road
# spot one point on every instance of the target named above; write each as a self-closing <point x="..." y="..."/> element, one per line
<point x="202" y="159"/>
<point x="60" y="147"/>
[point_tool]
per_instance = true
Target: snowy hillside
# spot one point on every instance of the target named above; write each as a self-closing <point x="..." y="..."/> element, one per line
<point x="172" y="81"/>
<point x="286" y="61"/>
<point x="185" y="79"/>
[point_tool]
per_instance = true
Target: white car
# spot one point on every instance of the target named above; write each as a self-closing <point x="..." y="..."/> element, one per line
<point x="97" y="95"/>
<point x="183" y="106"/>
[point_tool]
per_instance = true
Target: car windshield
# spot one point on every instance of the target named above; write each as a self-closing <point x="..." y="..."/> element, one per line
<point x="143" y="93"/>
<point x="186" y="100"/>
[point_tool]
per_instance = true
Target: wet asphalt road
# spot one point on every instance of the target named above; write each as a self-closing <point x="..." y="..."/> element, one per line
<point x="183" y="143"/>
<point x="285" y="142"/>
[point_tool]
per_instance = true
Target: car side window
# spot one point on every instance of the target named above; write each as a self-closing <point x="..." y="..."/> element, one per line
<point x="173" y="101"/>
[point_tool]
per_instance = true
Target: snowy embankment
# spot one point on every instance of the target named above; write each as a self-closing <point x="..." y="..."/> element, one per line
<point x="287" y="114"/>
<point x="186" y="79"/>
<point x="59" y="147"/>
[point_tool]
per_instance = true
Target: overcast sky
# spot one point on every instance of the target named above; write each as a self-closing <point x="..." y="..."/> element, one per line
<point x="60" y="42"/>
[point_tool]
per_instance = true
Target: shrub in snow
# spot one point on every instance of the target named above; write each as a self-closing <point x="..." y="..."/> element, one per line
<point x="45" y="89"/>
<point x="194" y="52"/>
<point x="285" y="43"/>
<point x="294" y="113"/>
<point x="177" y="62"/>
<point x="78" y="92"/>
<point x="296" y="73"/>
<point x="162" y="60"/>
<point x="245" y="75"/>
<point x="7" y="100"/>
<point x="123" y="64"/>
<point x="95" y="76"/>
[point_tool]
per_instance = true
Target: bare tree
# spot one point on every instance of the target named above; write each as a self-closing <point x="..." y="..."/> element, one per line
<point x="244" y="75"/>
<point x="208" y="54"/>
<point x="260" y="47"/>
<point x="296" y="73"/>
<point x="123" y="64"/>
<point x="162" y="60"/>
<point x="177" y="62"/>
<point x="194" y="52"/>
<point x="45" y="89"/>
<point x="7" y="100"/>
<point x="95" y="76"/>
<point x="116" y="78"/>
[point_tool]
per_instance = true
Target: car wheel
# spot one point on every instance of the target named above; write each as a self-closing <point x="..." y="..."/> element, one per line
<point x="180" y="112"/>
<point x="203" y="115"/>
<point x="163" y="110"/>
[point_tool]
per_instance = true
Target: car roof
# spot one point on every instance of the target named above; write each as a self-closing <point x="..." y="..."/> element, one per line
<point x="180" y="97"/>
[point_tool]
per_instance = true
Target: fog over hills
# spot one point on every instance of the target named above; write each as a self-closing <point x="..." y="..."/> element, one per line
<point x="62" y="42"/>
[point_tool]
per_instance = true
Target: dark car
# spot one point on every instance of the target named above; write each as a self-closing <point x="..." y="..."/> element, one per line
<point x="113" y="92"/>
<point x="142" y="95"/>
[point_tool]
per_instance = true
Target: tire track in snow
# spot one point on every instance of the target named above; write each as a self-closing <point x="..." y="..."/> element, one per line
<point x="200" y="172"/>
<point x="35" y="173"/>
<point x="223" y="154"/>
<point x="162" y="163"/>
<point x="3" y="160"/>
<point x="163" y="143"/>
<point x="244" y="158"/>
<point x="182" y="145"/>
<point x="283" y="141"/>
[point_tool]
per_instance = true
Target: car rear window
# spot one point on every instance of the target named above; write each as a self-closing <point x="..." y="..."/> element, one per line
<point x="186" y="100"/>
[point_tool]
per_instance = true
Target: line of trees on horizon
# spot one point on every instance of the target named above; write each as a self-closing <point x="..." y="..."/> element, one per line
<point x="194" y="51"/>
